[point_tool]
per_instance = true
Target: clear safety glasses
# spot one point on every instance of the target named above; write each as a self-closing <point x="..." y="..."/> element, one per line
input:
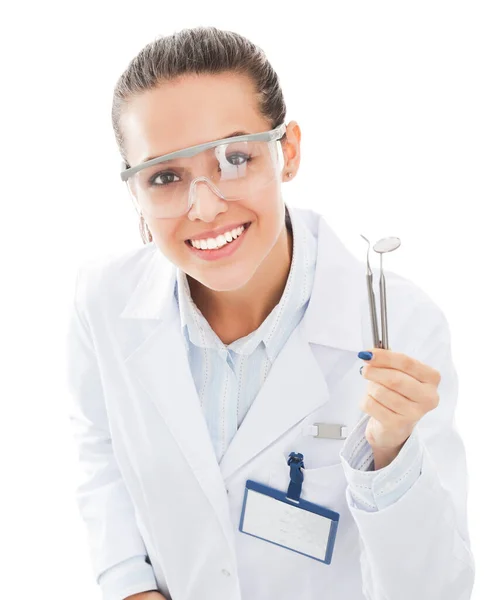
<point x="234" y="167"/>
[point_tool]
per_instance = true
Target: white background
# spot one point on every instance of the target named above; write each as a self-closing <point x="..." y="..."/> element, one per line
<point x="400" y="109"/>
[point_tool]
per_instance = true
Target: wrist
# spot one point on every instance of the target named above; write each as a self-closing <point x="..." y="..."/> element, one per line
<point x="384" y="456"/>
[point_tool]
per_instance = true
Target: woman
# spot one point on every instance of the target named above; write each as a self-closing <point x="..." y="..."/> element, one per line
<point x="231" y="339"/>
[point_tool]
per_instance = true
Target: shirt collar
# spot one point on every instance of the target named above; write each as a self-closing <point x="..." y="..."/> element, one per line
<point x="284" y="317"/>
<point x="271" y="332"/>
<point x="193" y="322"/>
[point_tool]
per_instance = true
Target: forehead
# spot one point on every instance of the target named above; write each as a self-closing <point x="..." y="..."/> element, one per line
<point x="189" y="111"/>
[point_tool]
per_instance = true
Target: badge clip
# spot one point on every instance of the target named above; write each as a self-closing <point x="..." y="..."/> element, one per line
<point x="295" y="462"/>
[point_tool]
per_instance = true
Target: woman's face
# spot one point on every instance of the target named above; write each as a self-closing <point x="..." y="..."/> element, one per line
<point x="194" y="110"/>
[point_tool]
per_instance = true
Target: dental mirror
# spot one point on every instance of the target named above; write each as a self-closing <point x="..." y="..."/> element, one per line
<point x="387" y="245"/>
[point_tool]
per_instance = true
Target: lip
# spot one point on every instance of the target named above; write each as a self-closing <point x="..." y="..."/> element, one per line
<point x="216" y="232"/>
<point x="219" y="253"/>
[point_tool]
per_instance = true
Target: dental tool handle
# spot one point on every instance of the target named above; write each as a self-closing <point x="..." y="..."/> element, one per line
<point x="373" y="315"/>
<point x="383" y="311"/>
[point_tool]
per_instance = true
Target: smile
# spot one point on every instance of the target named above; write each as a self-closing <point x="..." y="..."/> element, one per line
<point x="220" y="247"/>
<point x="225" y="238"/>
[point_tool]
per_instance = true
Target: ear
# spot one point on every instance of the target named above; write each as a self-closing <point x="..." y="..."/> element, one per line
<point x="291" y="147"/>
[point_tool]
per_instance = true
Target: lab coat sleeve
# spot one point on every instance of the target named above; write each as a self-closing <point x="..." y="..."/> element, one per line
<point x="129" y="577"/>
<point x="102" y="498"/>
<point x="374" y="490"/>
<point x="418" y="547"/>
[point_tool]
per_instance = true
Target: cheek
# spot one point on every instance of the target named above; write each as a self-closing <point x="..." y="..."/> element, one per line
<point x="269" y="212"/>
<point x="267" y="228"/>
<point x="164" y="233"/>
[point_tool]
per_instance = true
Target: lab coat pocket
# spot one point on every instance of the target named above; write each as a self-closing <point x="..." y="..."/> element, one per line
<point x="321" y="485"/>
<point x="324" y="485"/>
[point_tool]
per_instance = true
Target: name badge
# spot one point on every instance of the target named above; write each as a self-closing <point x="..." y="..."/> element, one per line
<point x="334" y="431"/>
<point x="286" y="520"/>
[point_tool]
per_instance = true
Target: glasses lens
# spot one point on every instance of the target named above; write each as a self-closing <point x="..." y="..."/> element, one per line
<point x="238" y="170"/>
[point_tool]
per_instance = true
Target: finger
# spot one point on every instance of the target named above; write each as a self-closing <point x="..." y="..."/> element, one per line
<point x="394" y="402"/>
<point x="400" y="382"/>
<point x="402" y="362"/>
<point x="381" y="413"/>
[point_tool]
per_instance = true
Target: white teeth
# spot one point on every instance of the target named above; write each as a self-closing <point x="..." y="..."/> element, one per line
<point x="218" y="242"/>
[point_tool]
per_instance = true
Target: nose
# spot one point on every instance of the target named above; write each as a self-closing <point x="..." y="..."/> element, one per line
<point x="205" y="201"/>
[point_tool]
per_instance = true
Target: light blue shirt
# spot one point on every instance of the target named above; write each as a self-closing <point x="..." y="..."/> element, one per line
<point x="228" y="378"/>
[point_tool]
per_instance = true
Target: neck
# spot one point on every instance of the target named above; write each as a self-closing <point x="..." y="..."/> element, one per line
<point x="237" y="313"/>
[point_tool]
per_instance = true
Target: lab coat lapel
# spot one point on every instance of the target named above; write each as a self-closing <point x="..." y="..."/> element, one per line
<point x="294" y="387"/>
<point x="159" y="365"/>
<point x="296" y="384"/>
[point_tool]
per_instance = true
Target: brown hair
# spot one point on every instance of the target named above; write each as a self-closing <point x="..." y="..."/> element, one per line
<point x="201" y="50"/>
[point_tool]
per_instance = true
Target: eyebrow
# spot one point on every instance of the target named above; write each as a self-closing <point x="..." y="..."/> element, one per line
<point x="233" y="134"/>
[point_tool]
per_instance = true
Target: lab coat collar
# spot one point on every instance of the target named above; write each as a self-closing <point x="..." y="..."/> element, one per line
<point x="333" y="317"/>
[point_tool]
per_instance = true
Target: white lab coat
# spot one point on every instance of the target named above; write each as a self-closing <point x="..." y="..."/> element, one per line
<point x="153" y="486"/>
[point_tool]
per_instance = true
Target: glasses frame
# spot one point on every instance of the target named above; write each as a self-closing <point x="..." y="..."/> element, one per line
<point x="266" y="136"/>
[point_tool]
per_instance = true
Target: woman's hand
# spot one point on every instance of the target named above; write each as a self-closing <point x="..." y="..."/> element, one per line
<point x="400" y="392"/>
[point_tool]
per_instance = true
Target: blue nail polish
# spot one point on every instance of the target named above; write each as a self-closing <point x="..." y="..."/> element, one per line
<point x="361" y="370"/>
<point x="365" y="355"/>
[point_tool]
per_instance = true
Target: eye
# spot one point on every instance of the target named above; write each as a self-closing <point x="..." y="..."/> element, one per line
<point x="238" y="155"/>
<point x="164" y="177"/>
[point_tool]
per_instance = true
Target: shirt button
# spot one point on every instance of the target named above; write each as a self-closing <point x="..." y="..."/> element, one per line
<point x="225" y="572"/>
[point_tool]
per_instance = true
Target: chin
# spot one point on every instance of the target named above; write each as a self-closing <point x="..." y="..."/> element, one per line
<point x="234" y="279"/>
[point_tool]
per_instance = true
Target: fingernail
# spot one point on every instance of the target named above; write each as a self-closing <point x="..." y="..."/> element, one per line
<point x="361" y="370"/>
<point x="365" y="355"/>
